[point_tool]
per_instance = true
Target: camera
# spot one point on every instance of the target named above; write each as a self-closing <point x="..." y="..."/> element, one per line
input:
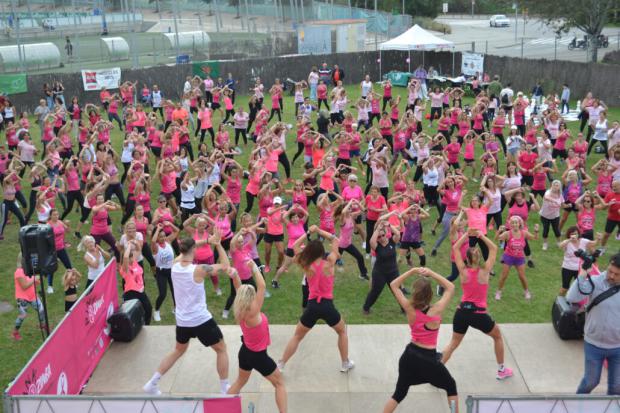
<point x="587" y="258"/>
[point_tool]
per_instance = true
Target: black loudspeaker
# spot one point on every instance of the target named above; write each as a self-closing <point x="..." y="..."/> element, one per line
<point x="38" y="249"/>
<point x="568" y="319"/>
<point x="127" y="321"/>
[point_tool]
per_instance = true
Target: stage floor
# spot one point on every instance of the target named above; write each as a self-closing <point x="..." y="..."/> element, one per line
<point x="542" y="364"/>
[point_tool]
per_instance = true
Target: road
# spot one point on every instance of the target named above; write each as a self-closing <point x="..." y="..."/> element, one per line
<point x="534" y="40"/>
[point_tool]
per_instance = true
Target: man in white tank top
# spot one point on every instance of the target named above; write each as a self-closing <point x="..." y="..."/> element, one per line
<point x="193" y="318"/>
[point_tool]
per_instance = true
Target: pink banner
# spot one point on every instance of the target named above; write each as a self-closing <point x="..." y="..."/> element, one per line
<point x="223" y="405"/>
<point x="70" y="354"/>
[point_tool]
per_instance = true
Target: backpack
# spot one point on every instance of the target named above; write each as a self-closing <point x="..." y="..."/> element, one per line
<point x="505" y="99"/>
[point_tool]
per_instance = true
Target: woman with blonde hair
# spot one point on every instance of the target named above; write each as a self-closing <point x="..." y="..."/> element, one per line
<point x="255" y="340"/>
<point x="95" y="258"/>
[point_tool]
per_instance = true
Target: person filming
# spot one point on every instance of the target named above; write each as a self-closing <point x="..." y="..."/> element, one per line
<point x="602" y="329"/>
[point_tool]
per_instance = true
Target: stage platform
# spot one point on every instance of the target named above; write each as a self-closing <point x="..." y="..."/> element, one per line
<point x="542" y="364"/>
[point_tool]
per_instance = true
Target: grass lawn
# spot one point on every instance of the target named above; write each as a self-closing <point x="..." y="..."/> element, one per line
<point x="284" y="306"/>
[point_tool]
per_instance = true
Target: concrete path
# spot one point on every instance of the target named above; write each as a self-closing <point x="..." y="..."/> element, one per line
<point x="541" y="361"/>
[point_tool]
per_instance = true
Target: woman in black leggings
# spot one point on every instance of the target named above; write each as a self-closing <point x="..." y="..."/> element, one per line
<point x="420" y="362"/>
<point x="385" y="268"/>
<point x="161" y="246"/>
<point x="9" y="203"/>
<point x="553" y="201"/>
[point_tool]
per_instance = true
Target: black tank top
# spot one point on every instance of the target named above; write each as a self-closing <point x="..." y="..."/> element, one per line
<point x="386" y="259"/>
<point x="71" y="291"/>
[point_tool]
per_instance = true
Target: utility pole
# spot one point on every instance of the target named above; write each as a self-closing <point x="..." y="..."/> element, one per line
<point x="18" y="37"/>
<point x="176" y="29"/>
<point x="376" y="28"/>
<point x="516" y="6"/>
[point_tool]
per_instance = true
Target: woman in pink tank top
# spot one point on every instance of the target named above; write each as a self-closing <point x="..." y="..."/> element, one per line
<point x="255" y="340"/>
<point x="346" y="215"/>
<point x="420" y="362"/>
<point x="319" y="272"/>
<point x="100" y="230"/>
<point x="472" y="311"/>
<point x="515" y="237"/>
<point x="295" y="220"/>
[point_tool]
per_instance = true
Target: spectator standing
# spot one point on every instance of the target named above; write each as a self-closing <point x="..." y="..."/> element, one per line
<point x="601" y="334"/>
<point x="230" y="84"/>
<point x="565" y="98"/>
<point x="537" y="95"/>
<point x="420" y="74"/>
<point x="313" y="82"/>
<point x="325" y="74"/>
<point x="69" y="49"/>
<point x="337" y="75"/>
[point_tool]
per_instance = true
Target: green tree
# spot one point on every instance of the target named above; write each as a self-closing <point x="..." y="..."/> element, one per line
<point x="423" y="8"/>
<point x="588" y="15"/>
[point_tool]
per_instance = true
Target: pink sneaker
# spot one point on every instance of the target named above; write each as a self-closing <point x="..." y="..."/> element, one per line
<point x="16" y="335"/>
<point x="267" y="269"/>
<point x="498" y="295"/>
<point x="504" y="374"/>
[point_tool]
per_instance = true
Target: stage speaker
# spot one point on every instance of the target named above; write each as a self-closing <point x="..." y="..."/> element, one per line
<point x="568" y="319"/>
<point x="38" y="249"/>
<point x="127" y="321"/>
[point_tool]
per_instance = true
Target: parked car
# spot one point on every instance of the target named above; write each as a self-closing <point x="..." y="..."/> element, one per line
<point x="499" y="20"/>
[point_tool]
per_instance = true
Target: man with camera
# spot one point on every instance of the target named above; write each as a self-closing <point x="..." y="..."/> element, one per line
<point x="602" y="328"/>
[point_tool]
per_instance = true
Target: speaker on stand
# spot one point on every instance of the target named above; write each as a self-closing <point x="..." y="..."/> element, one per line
<point x="38" y="256"/>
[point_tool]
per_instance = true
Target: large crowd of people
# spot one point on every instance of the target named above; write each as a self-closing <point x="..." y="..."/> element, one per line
<point x="179" y="198"/>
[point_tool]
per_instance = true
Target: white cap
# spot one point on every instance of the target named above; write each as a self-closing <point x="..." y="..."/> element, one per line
<point x="277" y="200"/>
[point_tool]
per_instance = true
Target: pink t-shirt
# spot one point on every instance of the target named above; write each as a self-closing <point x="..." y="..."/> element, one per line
<point x="477" y="218"/>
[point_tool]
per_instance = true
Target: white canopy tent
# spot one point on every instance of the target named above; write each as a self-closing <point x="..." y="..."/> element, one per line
<point x="415" y="38"/>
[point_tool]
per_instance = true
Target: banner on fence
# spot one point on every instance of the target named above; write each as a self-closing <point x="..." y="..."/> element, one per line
<point x="208" y="67"/>
<point x="314" y="40"/>
<point x="96" y="79"/>
<point x="472" y="63"/>
<point x="68" y="357"/>
<point x="13" y="84"/>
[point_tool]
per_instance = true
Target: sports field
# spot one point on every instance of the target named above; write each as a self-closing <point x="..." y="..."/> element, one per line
<point x="284" y="306"/>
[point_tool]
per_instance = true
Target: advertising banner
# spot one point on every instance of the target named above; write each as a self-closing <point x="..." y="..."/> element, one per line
<point x="13" y="84"/>
<point x="208" y="67"/>
<point x="472" y="63"/>
<point x="64" y="363"/>
<point x="96" y="79"/>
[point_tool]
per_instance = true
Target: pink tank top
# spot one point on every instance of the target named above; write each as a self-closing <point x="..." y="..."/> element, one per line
<point x="346" y="233"/>
<point x="473" y="291"/>
<point x="295" y="231"/>
<point x="204" y="252"/>
<point x="301" y="199"/>
<point x="100" y="223"/>
<point x="420" y="333"/>
<point x="256" y="338"/>
<point x="321" y="285"/>
<point x="585" y="220"/>
<point x="240" y="258"/>
<point x="327" y="220"/>
<point x="515" y="246"/>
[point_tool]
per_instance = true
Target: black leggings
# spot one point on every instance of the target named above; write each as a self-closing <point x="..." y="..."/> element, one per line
<point x="229" y="113"/>
<point x="72" y="197"/>
<point x="164" y="279"/>
<point x="249" y="201"/>
<point x="323" y="101"/>
<point x="300" y="150"/>
<point x="370" y="228"/>
<point x="148" y="255"/>
<point x="129" y="208"/>
<point x="497" y="217"/>
<point x="144" y="299"/>
<point x="379" y="281"/>
<point x="110" y="240"/>
<point x="66" y="261"/>
<point x="243" y="133"/>
<point x="115" y="189"/>
<point x="32" y="203"/>
<point x="593" y="143"/>
<point x="211" y="132"/>
<point x="473" y="241"/>
<point x="273" y="112"/>
<point x="114" y="116"/>
<point x="11" y="206"/>
<point x="283" y="159"/>
<point x="358" y="257"/>
<point x="233" y="292"/>
<point x="553" y="223"/>
<point x="418" y="365"/>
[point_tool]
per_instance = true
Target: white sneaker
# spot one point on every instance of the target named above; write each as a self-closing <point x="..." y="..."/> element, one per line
<point x="225" y="314"/>
<point x="218" y="292"/>
<point x="347" y="365"/>
<point x="151" y="388"/>
<point x="545" y="246"/>
<point x="618" y="236"/>
<point x="280" y="365"/>
<point x="50" y="289"/>
<point x="367" y="256"/>
<point x="364" y="244"/>
<point x="156" y="316"/>
<point x="528" y="295"/>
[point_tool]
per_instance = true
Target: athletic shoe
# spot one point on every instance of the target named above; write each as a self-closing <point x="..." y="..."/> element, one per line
<point x="528" y="295"/>
<point x="364" y="277"/>
<point x="280" y="365"/>
<point x="225" y="314"/>
<point x="492" y="273"/>
<point x="267" y="269"/>
<point x="504" y="374"/>
<point x="77" y="235"/>
<point x="530" y="263"/>
<point x="156" y="316"/>
<point x="218" y="292"/>
<point x="346" y="366"/>
<point x="267" y="294"/>
<point x="16" y="336"/>
<point x="364" y="244"/>
<point x="498" y="295"/>
<point x="545" y="246"/>
<point x="275" y="284"/>
<point x="50" y="289"/>
<point x="474" y="179"/>
<point x="367" y="256"/>
<point x="433" y="253"/>
<point x="433" y="232"/>
<point x="151" y="388"/>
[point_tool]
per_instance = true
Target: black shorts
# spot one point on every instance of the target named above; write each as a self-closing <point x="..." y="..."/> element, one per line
<point x="455" y="165"/>
<point x="570" y="208"/>
<point x="610" y="225"/>
<point x="316" y="311"/>
<point x="463" y="319"/>
<point x="256" y="360"/>
<point x="208" y="333"/>
<point x="413" y="245"/>
<point x="561" y="153"/>
<point x="289" y="252"/>
<point x="567" y="277"/>
<point x="527" y="180"/>
<point x="156" y="151"/>
<point x="215" y="105"/>
<point x="269" y="238"/>
<point x="358" y="219"/>
<point x="507" y="108"/>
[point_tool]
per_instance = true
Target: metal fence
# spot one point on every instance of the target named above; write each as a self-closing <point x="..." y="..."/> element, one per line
<point x="544" y="404"/>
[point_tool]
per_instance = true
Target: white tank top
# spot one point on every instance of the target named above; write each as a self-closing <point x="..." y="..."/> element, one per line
<point x="187" y="197"/>
<point x="164" y="256"/>
<point x="95" y="272"/>
<point x="366" y="86"/>
<point x="189" y="296"/>
<point x="43" y="213"/>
